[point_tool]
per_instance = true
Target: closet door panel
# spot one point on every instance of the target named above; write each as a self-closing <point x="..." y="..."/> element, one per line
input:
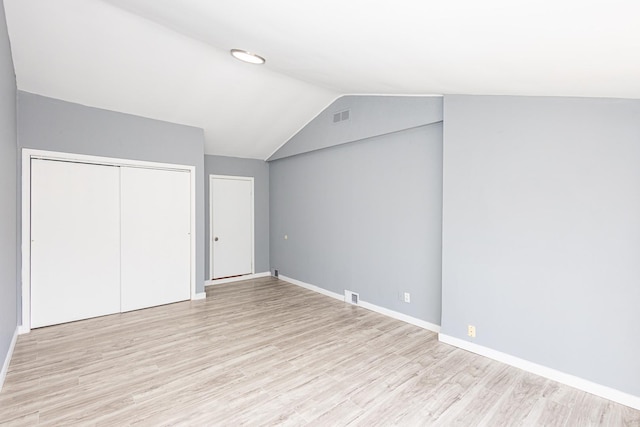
<point x="156" y="241"/>
<point x="75" y="247"/>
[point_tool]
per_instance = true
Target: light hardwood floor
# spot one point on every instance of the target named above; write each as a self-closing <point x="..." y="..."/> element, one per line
<point x="265" y="352"/>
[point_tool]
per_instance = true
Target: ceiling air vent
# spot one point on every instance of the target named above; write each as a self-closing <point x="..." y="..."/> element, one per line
<point x="341" y="116"/>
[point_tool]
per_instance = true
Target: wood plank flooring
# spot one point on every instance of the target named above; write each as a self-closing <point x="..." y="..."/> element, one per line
<point x="265" y="352"/>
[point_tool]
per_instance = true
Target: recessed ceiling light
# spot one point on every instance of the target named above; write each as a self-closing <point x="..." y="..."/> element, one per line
<point x="245" y="56"/>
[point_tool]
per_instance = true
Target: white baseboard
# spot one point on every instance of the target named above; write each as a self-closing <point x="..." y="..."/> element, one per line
<point x="7" y="359"/>
<point x="552" y="374"/>
<point x="237" y="279"/>
<point x="401" y="316"/>
<point x="23" y="330"/>
<point x="199" y="296"/>
<point x="385" y="311"/>
<point x="313" y="288"/>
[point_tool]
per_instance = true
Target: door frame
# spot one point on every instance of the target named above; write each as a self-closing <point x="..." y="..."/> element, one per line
<point x="253" y="228"/>
<point x="27" y="155"/>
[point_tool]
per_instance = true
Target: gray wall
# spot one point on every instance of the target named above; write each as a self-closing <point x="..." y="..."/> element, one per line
<point x="259" y="170"/>
<point x="369" y="116"/>
<point x="541" y="232"/>
<point x="8" y="193"/>
<point x="366" y="217"/>
<point x="55" y="125"/>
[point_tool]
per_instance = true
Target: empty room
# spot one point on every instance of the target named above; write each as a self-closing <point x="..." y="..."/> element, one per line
<point x="407" y="213"/>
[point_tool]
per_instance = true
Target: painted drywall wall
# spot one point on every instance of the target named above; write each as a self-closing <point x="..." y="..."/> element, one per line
<point x="259" y="170"/>
<point x="541" y="231"/>
<point x="55" y="125"/>
<point x="368" y="116"/>
<point x="8" y="193"/>
<point x="366" y="217"/>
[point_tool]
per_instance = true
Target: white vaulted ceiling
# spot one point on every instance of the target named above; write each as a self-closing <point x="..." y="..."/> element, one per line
<point x="169" y="59"/>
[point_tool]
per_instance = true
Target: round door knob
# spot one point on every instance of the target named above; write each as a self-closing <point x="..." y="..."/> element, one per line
<point x="215" y="239"/>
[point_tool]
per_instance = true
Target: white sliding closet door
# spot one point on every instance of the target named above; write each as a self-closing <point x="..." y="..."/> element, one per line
<point x="75" y="241"/>
<point x="156" y="241"/>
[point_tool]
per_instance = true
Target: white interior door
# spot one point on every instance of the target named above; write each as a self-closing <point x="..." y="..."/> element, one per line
<point x="231" y="226"/>
<point x="75" y="241"/>
<point x="156" y="240"/>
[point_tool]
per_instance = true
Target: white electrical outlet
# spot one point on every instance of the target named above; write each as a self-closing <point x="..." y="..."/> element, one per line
<point x="471" y="331"/>
<point x="407" y="297"/>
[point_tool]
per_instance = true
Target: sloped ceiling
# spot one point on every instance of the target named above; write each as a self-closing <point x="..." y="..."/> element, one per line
<point x="169" y="59"/>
